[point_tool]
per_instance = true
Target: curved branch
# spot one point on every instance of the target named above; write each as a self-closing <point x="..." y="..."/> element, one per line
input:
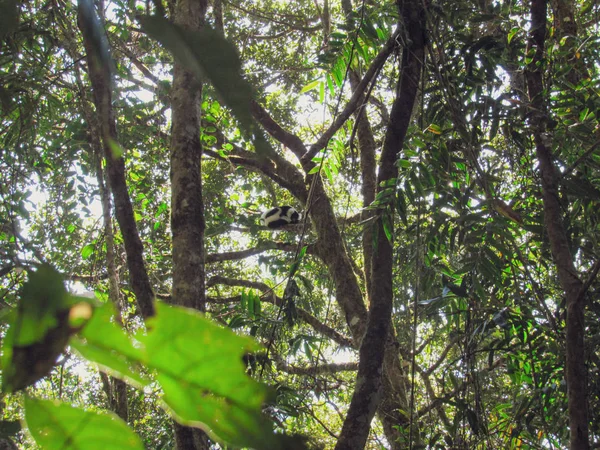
<point x="277" y="168"/>
<point x="282" y="168"/>
<point x="354" y="101"/>
<point x="100" y="78"/>
<point x="291" y="141"/>
<point x="270" y="297"/>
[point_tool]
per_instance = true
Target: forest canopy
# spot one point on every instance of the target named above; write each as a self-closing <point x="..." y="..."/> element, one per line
<point x="436" y="288"/>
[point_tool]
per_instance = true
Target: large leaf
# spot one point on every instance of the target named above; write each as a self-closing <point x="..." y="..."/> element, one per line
<point x="59" y="426"/>
<point x="104" y="342"/>
<point x="210" y="56"/>
<point x="199" y="365"/>
<point x="42" y="297"/>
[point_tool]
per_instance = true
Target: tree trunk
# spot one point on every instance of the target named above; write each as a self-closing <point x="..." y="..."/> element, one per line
<point x="115" y="389"/>
<point x="367" y="394"/>
<point x="187" y="208"/>
<point x="576" y="374"/>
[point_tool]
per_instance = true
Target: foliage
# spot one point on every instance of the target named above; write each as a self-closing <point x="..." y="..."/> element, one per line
<point x="471" y="254"/>
<point x="215" y="393"/>
<point x="58" y="425"/>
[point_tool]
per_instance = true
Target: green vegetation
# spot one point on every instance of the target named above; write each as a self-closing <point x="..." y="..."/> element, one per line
<point x="439" y="292"/>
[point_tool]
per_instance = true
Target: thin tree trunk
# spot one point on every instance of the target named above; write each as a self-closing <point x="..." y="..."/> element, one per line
<point x="393" y="388"/>
<point x="100" y="78"/>
<point x="367" y="394"/>
<point x="576" y="374"/>
<point x="118" y="388"/>
<point x="115" y="389"/>
<point x="187" y="209"/>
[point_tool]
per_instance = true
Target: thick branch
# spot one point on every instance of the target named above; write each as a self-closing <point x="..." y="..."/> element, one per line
<point x="291" y="141"/>
<point x="242" y="254"/>
<point x="323" y="369"/>
<point x="367" y="394"/>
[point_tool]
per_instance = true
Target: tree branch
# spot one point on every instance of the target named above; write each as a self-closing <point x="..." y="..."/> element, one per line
<point x="575" y="367"/>
<point x="323" y="369"/>
<point x="100" y="78"/>
<point x="367" y="394"/>
<point x="242" y="254"/>
<point x="291" y="141"/>
<point x="270" y="297"/>
<point x="354" y="101"/>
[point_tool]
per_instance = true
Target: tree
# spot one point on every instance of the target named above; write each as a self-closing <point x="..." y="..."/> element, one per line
<point x="444" y="156"/>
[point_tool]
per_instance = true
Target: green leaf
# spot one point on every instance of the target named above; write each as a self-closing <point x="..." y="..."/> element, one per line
<point x="401" y="206"/>
<point x="387" y="226"/>
<point x="87" y="251"/>
<point x="435" y="129"/>
<point x="512" y="33"/>
<point x="328" y="173"/>
<point x="257" y="305"/>
<point x="310" y="86"/>
<point x="296" y="265"/>
<point x="210" y="56"/>
<point x="199" y="365"/>
<point x="251" y="307"/>
<point x="59" y="426"/>
<point x="115" y="149"/>
<point x="418" y="142"/>
<point x="43" y="295"/>
<point x="105" y="343"/>
<point x="330" y="86"/>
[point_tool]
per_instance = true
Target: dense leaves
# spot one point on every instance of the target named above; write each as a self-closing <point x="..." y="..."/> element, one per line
<point x="478" y="313"/>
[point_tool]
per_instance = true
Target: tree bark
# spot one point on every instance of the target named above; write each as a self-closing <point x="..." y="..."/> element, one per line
<point x="115" y="389"/>
<point x="367" y="147"/>
<point x="187" y="208"/>
<point x="118" y="388"/>
<point x="576" y="374"/>
<point x="100" y="78"/>
<point x="367" y="394"/>
<point x="332" y="251"/>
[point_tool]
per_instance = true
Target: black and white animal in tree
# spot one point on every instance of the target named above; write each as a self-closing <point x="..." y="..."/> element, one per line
<point x="280" y="216"/>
